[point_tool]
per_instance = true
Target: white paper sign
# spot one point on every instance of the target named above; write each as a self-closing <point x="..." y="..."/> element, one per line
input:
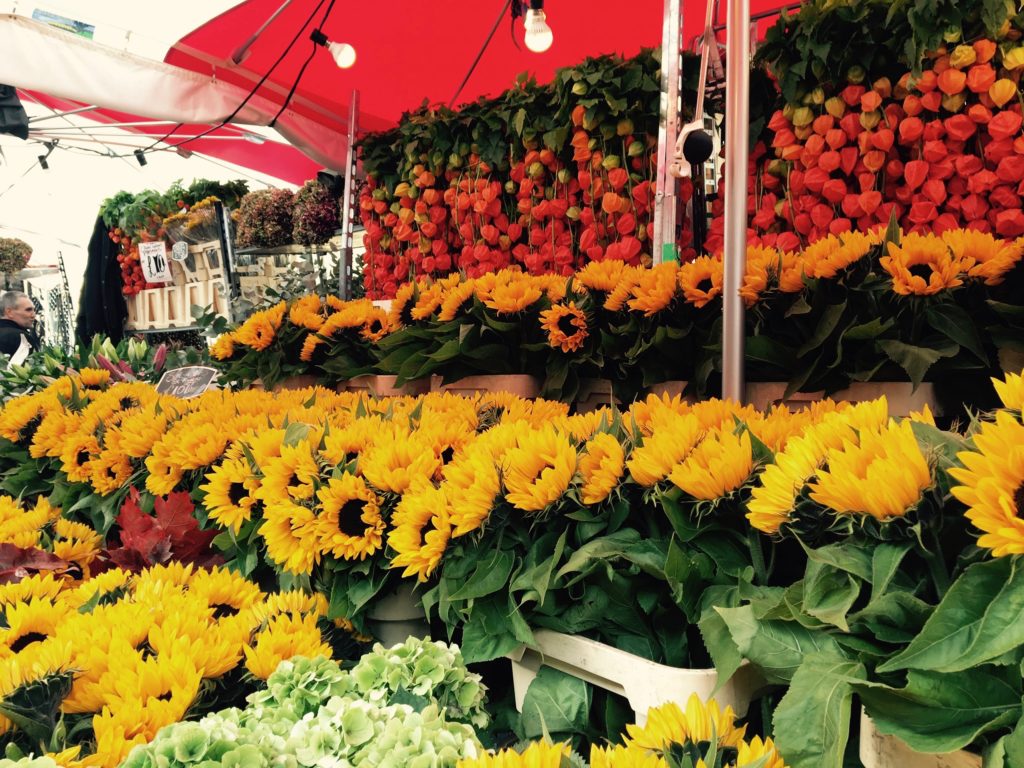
<point x="153" y="257"/>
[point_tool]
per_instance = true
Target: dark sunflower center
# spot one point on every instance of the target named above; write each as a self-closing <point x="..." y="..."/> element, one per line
<point x="704" y="284"/>
<point x="127" y="402"/>
<point x="165" y="696"/>
<point x="376" y="326"/>
<point x="293" y="481"/>
<point x="29" y="430"/>
<point x="236" y="493"/>
<point x="26" y="640"/>
<point x="565" y="325"/>
<point x="83" y="456"/>
<point x="447" y="454"/>
<point x="1018" y="498"/>
<point x="111" y="473"/>
<point x="427" y="528"/>
<point x="924" y="271"/>
<point x="221" y="610"/>
<point x="350" y="518"/>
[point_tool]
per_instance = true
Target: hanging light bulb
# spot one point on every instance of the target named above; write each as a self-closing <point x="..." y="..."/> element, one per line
<point x="344" y="55"/>
<point x="538" y="34"/>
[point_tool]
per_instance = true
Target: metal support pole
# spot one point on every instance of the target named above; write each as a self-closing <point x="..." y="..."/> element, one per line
<point x="665" y="200"/>
<point x="737" y="137"/>
<point x="348" y="200"/>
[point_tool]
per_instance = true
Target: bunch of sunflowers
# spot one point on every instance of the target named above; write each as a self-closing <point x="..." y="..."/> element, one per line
<point x="854" y="306"/>
<point x="120" y="656"/>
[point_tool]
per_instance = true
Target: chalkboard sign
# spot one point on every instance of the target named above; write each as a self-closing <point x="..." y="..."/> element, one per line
<point x="188" y="381"/>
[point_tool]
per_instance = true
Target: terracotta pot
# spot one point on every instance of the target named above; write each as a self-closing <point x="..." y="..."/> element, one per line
<point x="594" y="394"/>
<point x="515" y="384"/>
<point x="384" y="386"/>
<point x="900" y="395"/>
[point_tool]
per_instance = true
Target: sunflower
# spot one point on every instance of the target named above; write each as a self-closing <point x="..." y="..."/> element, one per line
<point x="701" y="280"/>
<point x="292" y="475"/>
<point x="139" y="432"/>
<point x="629" y="279"/>
<point x="673" y="437"/>
<point x="286" y="635"/>
<point x="538" y="471"/>
<point x="309" y="346"/>
<point x="618" y="756"/>
<point x="420" y="531"/>
<point x="512" y="296"/>
<point x="290" y="538"/>
<point x="21" y="417"/>
<point x="991" y="484"/>
<point x="883" y="475"/>
<point x="76" y="543"/>
<point x="393" y="462"/>
<point x="292" y="601"/>
<point x="55" y="428"/>
<point x="826" y="257"/>
<point x="343" y="444"/>
<point x="538" y="754"/>
<point x="38" y="586"/>
<point x="428" y="301"/>
<point x="601" y="467"/>
<point x="223" y="348"/>
<point x="751" y="752"/>
<point x="921" y="265"/>
<point x="603" y="276"/>
<point x="1011" y="391"/>
<point x="400" y="313"/>
<point x="455" y="299"/>
<point x="349" y="525"/>
<point x="472" y="483"/>
<point x="763" y="266"/>
<point x="164" y="474"/>
<point x="566" y="325"/>
<point x="656" y="289"/>
<point x="990" y="258"/>
<point x="31" y="622"/>
<point x="231" y="493"/>
<point x="375" y="327"/>
<point x="109" y="472"/>
<point x="643" y="413"/>
<point x="669" y="724"/>
<point x="307" y="312"/>
<point x="716" y="467"/>
<point x="94" y="377"/>
<point x="197" y="442"/>
<point x="258" y="332"/>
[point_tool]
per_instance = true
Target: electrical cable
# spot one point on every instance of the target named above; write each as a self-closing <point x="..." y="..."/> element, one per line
<point x="246" y="100"/>
<point x="472" y="68"/>
<point x="302" y="71"/>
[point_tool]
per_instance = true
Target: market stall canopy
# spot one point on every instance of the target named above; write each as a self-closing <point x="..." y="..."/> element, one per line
<point x="407" y="52"/>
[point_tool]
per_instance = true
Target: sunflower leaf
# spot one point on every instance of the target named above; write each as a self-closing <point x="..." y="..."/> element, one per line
<point x="980" y="618"/>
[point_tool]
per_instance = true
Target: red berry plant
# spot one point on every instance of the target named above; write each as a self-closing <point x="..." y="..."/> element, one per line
<point x="546" y="178"/>
<point x="936" y="147"/>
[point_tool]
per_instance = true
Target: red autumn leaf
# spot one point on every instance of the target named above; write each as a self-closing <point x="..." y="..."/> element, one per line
<point x="17" y="563"/>
<point x="915" y="172"/>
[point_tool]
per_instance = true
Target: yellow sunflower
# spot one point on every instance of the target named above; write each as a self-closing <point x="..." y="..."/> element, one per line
<point x="992" y="484"/>
<point x="349" y="525"/>
<point x="223" y="348"/>
<point x="882" y="475"/>
<point x="618" y="756"/>
<point x="420" y="531"/>
<point x="603" y="276"/>
<point x="94" y="377"/>
<point x="656" y="289"/>
<point x="538" y="471"/>
<point x="307" y="312"/>
<point x="601" y="466"/>
<point x="290" y="536"/>
<point x="990" y="257"/>
<point x="538" y="754"/>
<point x="260" y="329"/>
<point x="291" y="475"/>
<point x="716" y="467"/>
<point x="399" y="458"/>
<point x="472" y="484"/>
<point x="922" y="265"/>
<point x="1011" y="391"/>
<point x="512" y="296"/>
<point x="455" y="299"/>
<point x="286" y="635"/>
<point x="566" y="325"/>
<point x="670" y="724"/>
<point x="673" y="436"/>
<point x="230" y="490"/>
<point x="701" y="280"/>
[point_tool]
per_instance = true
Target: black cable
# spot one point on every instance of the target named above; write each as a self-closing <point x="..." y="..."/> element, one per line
<point x="476" y="61"/>
<point x="302" y="71"/>
<point x="246" y="100"/>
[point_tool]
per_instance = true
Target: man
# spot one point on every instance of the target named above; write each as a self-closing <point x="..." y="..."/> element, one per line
<point x="17" y="339"/>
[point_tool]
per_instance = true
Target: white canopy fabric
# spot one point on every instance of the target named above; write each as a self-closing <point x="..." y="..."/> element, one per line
<point x="38" y="57"/>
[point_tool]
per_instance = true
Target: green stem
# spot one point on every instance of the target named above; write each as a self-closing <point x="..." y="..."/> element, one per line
<point x="936" y="565"/>
<point x="757" y="556"/>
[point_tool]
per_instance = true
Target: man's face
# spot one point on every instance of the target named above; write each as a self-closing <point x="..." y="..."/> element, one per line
<point x="23" y="313"/>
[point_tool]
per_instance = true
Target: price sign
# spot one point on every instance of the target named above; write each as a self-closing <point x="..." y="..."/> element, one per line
<point x="188" y="381"/>
<point x="179" y="251"/>
<point x="153" y="258"/>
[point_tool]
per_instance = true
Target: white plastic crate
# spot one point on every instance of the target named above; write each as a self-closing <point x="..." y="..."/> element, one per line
<point x="643" y="683"/>
<point x="878" y="751"/>
<point x="763" y="395"/>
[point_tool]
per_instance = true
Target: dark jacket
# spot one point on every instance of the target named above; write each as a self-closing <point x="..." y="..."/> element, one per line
<point x="101" y="307"/>
<point x="10" y="337"/>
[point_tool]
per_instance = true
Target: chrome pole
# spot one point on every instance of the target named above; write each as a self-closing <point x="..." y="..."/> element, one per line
<point x="347" y="201"/>
<point x="737" y="136"/>
<point x="665" y="201"/>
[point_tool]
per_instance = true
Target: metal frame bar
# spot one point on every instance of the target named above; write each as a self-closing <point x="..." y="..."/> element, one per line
<point x="665" y="200"/>
<point x="348" y="200"/>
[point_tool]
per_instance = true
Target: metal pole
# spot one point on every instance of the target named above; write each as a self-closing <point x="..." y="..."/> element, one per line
<point x="737" y="130"/>
<point x="347" y="198"/>
<point x="665" y="201"/>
